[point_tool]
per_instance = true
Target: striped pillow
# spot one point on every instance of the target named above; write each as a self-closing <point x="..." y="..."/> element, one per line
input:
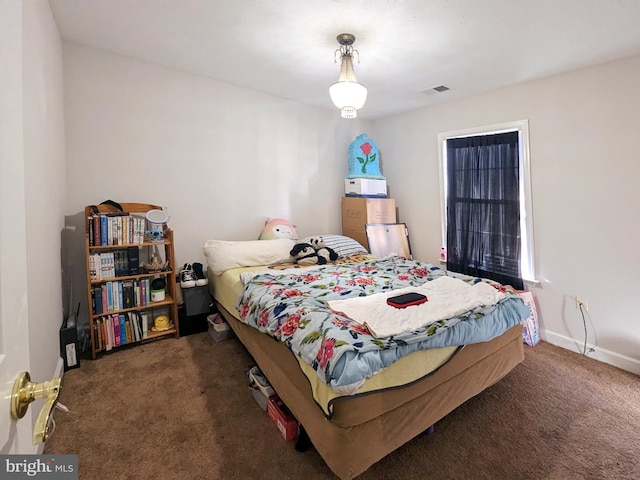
<point x="343" y="246"/>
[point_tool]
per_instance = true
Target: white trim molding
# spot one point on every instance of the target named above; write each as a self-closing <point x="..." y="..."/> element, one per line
<point x="602" y="355"/>
<point x="527" y="263"/>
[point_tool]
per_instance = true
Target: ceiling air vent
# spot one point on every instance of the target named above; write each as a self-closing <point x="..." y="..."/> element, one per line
<point x="441" y="88"/>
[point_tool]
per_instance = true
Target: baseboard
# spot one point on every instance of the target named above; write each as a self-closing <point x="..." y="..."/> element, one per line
<point x="606" y="356"/>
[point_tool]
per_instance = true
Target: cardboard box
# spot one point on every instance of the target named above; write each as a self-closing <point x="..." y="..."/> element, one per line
<point x="283" y="418"/>
<point x="358" y="211"/>
<point x="365" y="187"/>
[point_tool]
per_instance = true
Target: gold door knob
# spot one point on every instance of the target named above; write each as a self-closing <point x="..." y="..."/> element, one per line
<point x="24" y="392"/>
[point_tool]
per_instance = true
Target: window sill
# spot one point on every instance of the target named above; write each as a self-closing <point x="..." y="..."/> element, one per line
<point x="528" y="283"/>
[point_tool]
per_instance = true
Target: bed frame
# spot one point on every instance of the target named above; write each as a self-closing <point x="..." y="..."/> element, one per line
<point x="363" y="429"/>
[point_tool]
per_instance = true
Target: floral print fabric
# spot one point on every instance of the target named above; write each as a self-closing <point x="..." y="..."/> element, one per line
<point x="291" y="307"/>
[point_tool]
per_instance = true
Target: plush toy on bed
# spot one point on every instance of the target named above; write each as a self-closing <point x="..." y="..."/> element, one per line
<point x="275" y="228"/>
<point x="305" y="254"/>
<point x="327" y="253"/>
<point x="313" y="252"/>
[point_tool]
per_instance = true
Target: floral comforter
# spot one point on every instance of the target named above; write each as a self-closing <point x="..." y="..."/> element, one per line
<point x="291" y="307"/>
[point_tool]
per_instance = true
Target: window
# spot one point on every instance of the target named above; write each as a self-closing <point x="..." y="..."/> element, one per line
<point x="486" y="202"/>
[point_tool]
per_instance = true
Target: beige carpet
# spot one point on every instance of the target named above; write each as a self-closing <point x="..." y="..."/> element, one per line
<point x="181" y="409"/>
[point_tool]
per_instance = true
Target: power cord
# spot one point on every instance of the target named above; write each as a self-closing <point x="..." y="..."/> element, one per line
<point x="584" y="324"/>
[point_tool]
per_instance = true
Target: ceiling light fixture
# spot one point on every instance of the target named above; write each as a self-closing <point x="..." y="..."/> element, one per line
<point x="347" y="94"/>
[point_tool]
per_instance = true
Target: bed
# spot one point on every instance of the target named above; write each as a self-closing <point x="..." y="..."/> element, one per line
<point x="401" y="385"/>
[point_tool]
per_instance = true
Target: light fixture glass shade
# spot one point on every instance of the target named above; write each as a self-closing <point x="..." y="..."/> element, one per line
<point x="347" y="94"/>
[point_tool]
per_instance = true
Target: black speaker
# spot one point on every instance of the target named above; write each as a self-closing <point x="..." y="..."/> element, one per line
<point x="69" y="345"/>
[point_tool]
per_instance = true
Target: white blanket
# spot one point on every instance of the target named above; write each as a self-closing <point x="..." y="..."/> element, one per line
<point x="447" y="297"/>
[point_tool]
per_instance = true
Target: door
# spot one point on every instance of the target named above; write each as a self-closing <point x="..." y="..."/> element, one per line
<point x="15" y="436"/>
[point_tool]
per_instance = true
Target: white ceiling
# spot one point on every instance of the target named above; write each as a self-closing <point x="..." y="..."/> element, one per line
<point x="286" y="47"/>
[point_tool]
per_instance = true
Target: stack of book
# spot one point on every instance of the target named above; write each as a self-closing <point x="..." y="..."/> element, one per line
<point x="115" y="296"/>
<point x="120" y="329"/>
<point x="117" y="228"/>
<point x="113" y="264"/>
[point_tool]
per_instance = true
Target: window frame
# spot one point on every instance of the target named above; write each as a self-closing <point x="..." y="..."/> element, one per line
<point x="527" y="255"/>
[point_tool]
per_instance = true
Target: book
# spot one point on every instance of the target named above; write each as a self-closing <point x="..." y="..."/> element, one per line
<point x="96" y="229"/>
<point x="108" y="334"/>
<point x="112" y="264"/>
<point x="127" y="295"/>
<point x="147" y="293"/>
<point x="136" y="294"/>
<point x="117" y="339"/>
<point x="145" y="321"/>
<point x="140" y="222"/>
<point x="98" y="265"/>
<point x="135" y="326"/>
<point x="109" y="296"/>
<point x="90" y="230"/>
<point x="130" y="326"/>
<point x="97" y="334"/>
<point x="116" y="263"/>
<point x="92" y="268"/>
<point x="123" y="330"/>
<point x="109" y="230"/>
<point x="126" y="271"/>
<point x="126" y="221"/>
<point x="118" y="234"/>
<point x="143" y="292"/>
<point x="93" y="300"/>
<point x="105" y="303"/>
<point x="120" y="296"/>
<point x="97" y="300"/>
<point x="103" y="265"/>
<point x="130" y="333"/>
<point x="114" y="296"/>
<point x="133" y="260"/>
<point x="104" y="230"/>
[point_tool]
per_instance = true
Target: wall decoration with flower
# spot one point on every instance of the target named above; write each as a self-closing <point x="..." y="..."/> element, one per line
<point x="364" y="159"/>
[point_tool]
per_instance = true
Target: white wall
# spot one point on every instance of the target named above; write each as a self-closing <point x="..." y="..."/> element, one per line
<point x="585" y="174"/>
<point x="221" y="158"/>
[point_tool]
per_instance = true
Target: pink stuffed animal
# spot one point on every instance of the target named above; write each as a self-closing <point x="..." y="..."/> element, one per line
<point x="275" y="228"/>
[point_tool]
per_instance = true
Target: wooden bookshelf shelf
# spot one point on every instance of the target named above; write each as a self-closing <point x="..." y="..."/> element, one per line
<point x="122" y="310"/>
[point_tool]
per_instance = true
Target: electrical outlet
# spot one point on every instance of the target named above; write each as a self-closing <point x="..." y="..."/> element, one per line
<point x="582" y="301"/>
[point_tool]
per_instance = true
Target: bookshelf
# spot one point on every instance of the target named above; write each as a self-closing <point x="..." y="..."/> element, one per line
<point x="125" y="271"/>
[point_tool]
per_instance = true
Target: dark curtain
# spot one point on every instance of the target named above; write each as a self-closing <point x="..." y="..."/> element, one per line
<point x="483" y="207"/>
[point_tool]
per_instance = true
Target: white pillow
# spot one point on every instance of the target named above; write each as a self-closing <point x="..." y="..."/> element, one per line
<point x="223" y="255"/>
<point x="343" y="246"/>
